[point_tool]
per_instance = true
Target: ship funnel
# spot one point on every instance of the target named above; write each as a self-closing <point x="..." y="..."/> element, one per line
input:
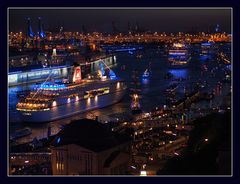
<point x="77" y="76"/>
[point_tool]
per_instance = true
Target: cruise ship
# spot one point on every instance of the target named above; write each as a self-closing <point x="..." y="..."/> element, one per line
<point x="178" y="55"/>
<point x="53" y="100"/>
<point x="206" y="47"/>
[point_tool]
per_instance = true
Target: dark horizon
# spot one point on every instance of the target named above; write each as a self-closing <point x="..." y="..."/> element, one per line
<point x="160" y="20"/>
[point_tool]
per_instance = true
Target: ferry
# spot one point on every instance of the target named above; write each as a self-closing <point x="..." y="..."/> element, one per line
<point x="54" y="100"/>
<point x="178" y="56"/>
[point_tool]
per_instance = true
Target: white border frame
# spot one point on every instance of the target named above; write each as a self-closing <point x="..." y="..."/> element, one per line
<point x="121" y="8"/>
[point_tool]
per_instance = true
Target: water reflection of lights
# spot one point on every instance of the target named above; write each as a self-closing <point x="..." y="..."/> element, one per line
<point x="77" y="98"/>
<point x="145" y="81"/>
<point x="88" y="100"/>
<point x="118" y="85"/>
<point x="135" y="96"/>
<point x="96" y="98"/>
<point x="179" y="73"/>
<point x="204" y="57"/>
<point x="68" y="100"/>
<point x="54" y="103"/>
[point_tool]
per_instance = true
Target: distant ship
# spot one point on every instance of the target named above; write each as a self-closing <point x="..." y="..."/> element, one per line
<point x="53" y="100"/>
<point x="206" y="47"/>
<point x="146" y="74"/>
<point x="178" y="55"/>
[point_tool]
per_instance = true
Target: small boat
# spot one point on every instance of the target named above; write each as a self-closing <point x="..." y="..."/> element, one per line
<point x="20" y="133"/>
<point x="146" y="74"/>
<point x="135" y="104"/>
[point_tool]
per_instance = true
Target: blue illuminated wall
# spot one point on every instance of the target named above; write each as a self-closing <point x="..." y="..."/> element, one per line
<point x="15" y="78"/>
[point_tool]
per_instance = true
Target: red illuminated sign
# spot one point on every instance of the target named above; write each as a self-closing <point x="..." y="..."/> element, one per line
<point x="77" y="74"/>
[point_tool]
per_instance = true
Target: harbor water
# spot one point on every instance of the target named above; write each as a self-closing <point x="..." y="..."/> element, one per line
<point x="152" y="89"/>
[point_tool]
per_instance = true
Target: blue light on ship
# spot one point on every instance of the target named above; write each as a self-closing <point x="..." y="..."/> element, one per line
<point x="58" y="140"/>
<point x="102" y="69"/>
<point x="112" y="75"/>
<point x="52" y="86"/>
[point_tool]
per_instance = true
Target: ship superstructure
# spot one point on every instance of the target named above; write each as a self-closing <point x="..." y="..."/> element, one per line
<point x="53" y="100"/>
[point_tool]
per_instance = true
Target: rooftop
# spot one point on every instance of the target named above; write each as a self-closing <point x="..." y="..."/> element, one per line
<point x="89" y="134"/>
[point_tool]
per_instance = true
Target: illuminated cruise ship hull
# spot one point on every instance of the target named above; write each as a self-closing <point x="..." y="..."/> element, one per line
<point x="72" y="107"/>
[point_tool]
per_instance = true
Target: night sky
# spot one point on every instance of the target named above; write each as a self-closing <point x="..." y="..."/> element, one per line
<point x="161" y="20"/>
